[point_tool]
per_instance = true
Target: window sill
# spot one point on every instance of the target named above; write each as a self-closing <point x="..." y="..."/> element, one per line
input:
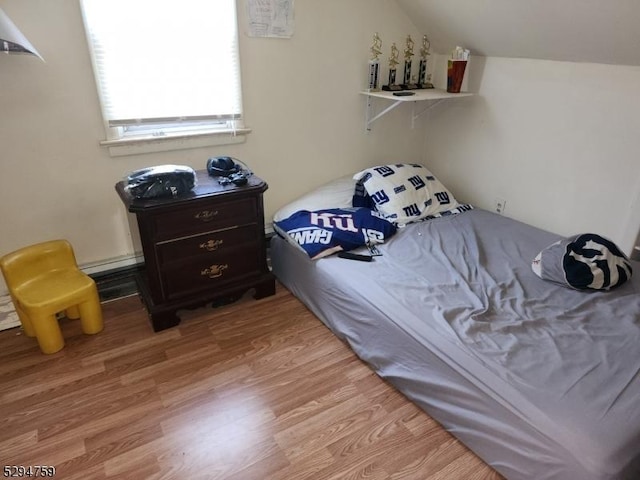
<point x="134" y="146"/>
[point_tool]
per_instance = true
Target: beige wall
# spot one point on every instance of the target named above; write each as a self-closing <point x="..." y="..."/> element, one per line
<point x="300" y="98"/>
<point x="557" y="140"/>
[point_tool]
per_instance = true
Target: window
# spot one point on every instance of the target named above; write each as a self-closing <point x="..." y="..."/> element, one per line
<point x="165" y="69"/>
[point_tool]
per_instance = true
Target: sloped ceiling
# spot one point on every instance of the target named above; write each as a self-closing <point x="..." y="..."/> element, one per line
<point x="595" y="31"/>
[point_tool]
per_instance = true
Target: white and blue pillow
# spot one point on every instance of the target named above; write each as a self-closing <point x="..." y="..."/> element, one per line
<point x="324" y="232"/>
<point x="404" y="193"/>
<point x="583" y="262"/>
<point x="337" y="193"/>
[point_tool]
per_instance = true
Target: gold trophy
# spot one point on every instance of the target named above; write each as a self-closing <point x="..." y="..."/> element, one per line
<point x="393" y="61"/>
<point x="374" y="63"/>
<point x="408" y="53"/>
<point x="422" y="70"/>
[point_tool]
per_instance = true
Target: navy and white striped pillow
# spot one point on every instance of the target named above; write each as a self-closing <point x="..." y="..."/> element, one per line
<point x="585" y="262"/>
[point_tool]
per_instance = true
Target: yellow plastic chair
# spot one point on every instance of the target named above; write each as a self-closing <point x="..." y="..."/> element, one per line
<point x="43" y="280"/>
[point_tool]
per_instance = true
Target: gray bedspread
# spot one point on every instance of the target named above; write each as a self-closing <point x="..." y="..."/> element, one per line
<point x="541" y="381"/>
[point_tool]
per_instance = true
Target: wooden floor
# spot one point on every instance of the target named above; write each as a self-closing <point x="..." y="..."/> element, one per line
<point x="254" y="390"/>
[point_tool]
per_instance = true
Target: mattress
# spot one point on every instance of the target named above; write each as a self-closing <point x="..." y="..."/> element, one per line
<point x="540" y="381"/>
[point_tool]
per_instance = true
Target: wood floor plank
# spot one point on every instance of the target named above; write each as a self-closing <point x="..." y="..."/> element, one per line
<point x="46" y="381"/>
<point x="303" y="468"/>
<point x="134" y="466"/>
<point x="251" y="390"/>
<point x="133" y="347"/>
<point x="328" y="426"/>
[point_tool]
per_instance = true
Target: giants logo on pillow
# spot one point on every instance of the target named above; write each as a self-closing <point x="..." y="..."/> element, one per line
<point x="403" y="193"/>
<point x="324" y="232"/>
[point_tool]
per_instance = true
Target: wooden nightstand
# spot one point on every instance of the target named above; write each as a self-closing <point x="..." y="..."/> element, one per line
<point x="204" y="246"/>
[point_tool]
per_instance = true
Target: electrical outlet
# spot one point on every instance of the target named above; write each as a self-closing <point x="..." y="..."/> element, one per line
<point x="499" y="205"/>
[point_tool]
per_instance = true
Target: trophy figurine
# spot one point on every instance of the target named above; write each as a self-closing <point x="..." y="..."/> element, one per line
<point x="408" y="53"/>
<point x="393" y="61"/>
<point x="422" y="70"/>
<point x="374" y="63"/>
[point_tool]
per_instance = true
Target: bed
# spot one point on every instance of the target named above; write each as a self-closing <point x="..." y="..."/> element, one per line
<point x="539" y="380"/>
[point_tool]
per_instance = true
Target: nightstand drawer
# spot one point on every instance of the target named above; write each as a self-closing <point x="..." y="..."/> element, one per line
<point x="211" y="271"/>
<point x="215" y="241"/>
<point x="207" y="217"/>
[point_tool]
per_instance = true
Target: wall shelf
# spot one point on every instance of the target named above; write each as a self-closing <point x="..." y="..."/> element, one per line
<point x="432" y="96"/>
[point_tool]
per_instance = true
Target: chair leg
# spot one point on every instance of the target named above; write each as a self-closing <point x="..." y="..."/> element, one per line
<point x="27" y="325"/>
<point x="72" y="312"/>
<point x="91" y="314"/>
<point x="48" y="332"/>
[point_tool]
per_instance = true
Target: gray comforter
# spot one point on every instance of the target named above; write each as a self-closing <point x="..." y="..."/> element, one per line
<point x="549" y="377"/>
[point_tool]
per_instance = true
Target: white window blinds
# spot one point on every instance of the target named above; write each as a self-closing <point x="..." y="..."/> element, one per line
<point x="168" y="61"/>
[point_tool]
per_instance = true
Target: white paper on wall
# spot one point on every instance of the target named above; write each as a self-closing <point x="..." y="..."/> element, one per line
<point x="270" y="18"/>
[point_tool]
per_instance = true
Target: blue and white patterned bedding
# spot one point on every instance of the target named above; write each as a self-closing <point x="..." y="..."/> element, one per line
<point x="324" y="232"/>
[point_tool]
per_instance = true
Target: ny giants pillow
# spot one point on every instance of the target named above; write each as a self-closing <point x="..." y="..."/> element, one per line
<point x="404" y="193"/>
<point x="583" y="262"/>
<point x="323" y="232"/>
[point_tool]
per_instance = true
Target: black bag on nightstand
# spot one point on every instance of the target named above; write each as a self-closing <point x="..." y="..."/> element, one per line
<point x="161" y="181"/>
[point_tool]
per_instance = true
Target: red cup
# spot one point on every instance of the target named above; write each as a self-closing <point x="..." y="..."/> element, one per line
<point x="455" y="75"/>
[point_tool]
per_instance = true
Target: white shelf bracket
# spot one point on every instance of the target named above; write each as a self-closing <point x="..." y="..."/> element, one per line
<point x="415" y="116"/>
<point x="370" y="119"/>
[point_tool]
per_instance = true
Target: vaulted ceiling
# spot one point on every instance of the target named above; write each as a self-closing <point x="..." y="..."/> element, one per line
<point x="595" y="31"/>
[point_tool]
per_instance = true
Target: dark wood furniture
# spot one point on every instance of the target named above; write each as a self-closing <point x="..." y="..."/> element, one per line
<point x="204" y="246"/>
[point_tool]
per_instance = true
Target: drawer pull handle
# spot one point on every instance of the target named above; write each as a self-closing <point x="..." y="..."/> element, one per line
<point x="206" y="215"/>
<point x="214" y="271"/>
<point x="211" y="245"/>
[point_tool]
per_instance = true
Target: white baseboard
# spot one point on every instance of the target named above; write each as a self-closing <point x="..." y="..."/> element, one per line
<point x="268" y="229"/>
<point x="8" y="316"/>
<point x="112" y="264"/>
